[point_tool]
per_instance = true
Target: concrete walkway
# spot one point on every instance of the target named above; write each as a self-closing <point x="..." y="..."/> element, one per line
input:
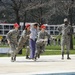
<point x="46" y="64"/>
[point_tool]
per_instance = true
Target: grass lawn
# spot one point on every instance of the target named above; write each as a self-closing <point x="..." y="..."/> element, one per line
<point x="50" y="50"/>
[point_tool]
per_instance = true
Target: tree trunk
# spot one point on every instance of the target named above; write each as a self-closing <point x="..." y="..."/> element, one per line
<point x="71" y="19"/>
<point x="24" y="20"/>
<point x="17" y="17"/>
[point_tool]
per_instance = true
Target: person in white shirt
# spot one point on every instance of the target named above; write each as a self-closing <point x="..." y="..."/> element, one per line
<point x="32" y="40"/>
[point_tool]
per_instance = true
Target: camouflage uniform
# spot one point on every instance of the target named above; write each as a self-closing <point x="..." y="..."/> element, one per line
<point x="41" y="42"/>
<point x="65" y="39"/>
<point x="24" y="40"/>
<point x="12" y="36"/>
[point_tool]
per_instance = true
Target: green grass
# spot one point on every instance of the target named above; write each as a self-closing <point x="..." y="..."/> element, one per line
<point x="4" y="55"/>
<point x="4" y="46"/>
<point x="52" y="47"/>
<point x="50" y="50"/>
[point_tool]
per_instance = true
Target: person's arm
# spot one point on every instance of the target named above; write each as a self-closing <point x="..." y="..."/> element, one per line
<point x="8" y="36"/>
<point x="60" y="29"/>
<point x="48" y="35"/>
<point x="38" y="37"/>
<point x="8" y="41"/>
<point x="70" y="30"/>
<point x="23" y="34"/>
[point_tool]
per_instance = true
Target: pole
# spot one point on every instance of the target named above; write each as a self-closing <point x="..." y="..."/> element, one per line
<point x="41" y="14"/>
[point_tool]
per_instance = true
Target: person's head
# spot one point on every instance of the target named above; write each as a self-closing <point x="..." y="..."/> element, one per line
<point x="27" y="27"/>
<point x="43" y="27"/>
<point x="16" y="26"/>
<point x="66" y="21"/>
<point x="35" y="25"/>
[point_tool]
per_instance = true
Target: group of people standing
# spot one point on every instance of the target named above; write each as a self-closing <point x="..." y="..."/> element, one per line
<point x="33" y="37"/>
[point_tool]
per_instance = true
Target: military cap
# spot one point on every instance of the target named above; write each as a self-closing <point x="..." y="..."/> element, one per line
<point x="16" y="25"/>
<point x="43" y="26"/>
<point x="65" y="20"/>
<point x="27" y="25"/>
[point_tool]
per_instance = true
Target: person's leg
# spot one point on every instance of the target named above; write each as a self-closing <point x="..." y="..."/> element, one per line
<point x="68" y="50"/>
<point x="32" y="48"/>
<point x="27" y="52"/>
<point x="19" y="47"/>
<point x="62" y="48"/>
<point x="12" y="47"/>
<point x="37" y="52"/>
<point x="43" y="47"/>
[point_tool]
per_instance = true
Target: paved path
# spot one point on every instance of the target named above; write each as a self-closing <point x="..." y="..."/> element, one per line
<point x="46" y="64"/>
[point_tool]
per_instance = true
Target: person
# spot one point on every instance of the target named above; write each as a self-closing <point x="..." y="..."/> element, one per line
<point x="55" y="41"/>
<point x="65" y="37"/>
<point x="12" y="39"/>
<point x="24" y="41"/>
<point x="42" y="39"/>
<point x="32" y="40"/>
<point x="59" y="41"/>
<point x="48" y="43"/>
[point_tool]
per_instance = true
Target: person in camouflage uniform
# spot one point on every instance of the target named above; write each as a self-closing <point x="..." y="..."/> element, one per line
<point x="24" y="41"/>
<point x="65" y="37"/>
<point x="42" y="39"/>
<point x="12" y="39"/>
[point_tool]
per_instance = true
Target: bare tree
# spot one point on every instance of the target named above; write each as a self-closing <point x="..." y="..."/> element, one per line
<point x="14" y="6"/>
<point x="38" y="10"/>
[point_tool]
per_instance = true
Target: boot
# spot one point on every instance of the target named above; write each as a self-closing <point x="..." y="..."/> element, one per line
<point x="68" y="55"/>
<point x="12" y="60"/>
<point x="27" y="57"/>
<point x="62" y="55"/>
<point x="15" y="58"/>
<point x="35" y="57"/>
<point x="38" y="55"/>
